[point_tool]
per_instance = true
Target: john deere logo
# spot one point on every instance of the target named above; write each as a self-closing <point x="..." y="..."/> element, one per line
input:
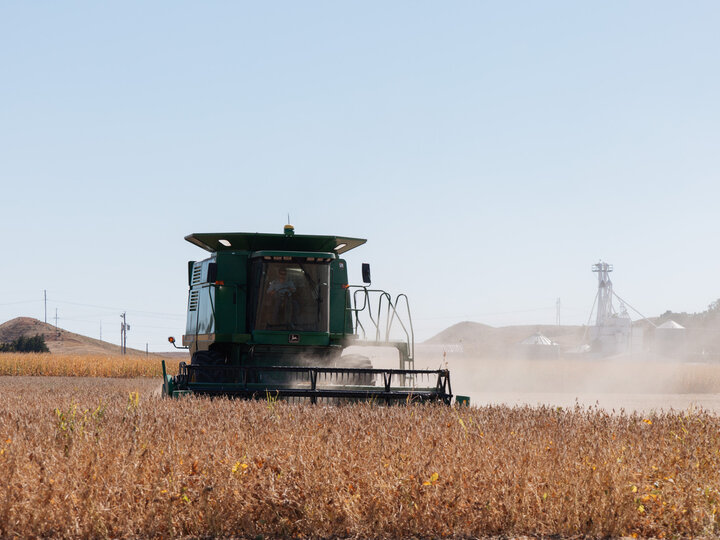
<point x="294" y="338"/>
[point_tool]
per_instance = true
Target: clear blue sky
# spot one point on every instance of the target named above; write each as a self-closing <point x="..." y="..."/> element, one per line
<point x="491" y="152"/>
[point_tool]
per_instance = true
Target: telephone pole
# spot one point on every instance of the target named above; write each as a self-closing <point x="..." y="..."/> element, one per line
<point x="557" y="314"/>
<point x="124" y="327"/>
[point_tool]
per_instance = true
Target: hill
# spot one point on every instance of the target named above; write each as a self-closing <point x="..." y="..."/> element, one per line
<point x="697" y="339"/>
<point x="482" y="340"/>
<point x="58" y="340"/>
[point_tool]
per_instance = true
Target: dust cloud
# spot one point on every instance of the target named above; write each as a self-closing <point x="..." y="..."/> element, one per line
<point x="639" y="382"/>
<point x="670" y="362"/>
<point x="629" y="382"/>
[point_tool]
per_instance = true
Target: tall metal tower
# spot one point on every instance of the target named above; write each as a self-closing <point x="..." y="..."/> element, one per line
<point x="605" y="292"/>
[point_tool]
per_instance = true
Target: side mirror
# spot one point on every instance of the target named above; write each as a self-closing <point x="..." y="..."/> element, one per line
<point x="212" y="272"/>
<point x="366" y="273"/>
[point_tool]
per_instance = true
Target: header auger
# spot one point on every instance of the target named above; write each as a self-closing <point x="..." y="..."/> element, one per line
<point x="273" y="315"/>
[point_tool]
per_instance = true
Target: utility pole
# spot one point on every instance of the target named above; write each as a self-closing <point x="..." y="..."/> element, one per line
<point x="100" y="329"/>
<point x="557" y="316"/>
<point x="124" y="327"/>
<point x="45" y="291"/>
<point x="55" y="319"/>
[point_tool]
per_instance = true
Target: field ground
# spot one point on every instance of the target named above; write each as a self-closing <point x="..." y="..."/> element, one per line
<point x="629" y="403"/>
<point x="99" y="457"/>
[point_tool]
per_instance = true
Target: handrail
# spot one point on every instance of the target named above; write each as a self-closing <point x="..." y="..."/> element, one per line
<point x="383" y="295"/>
<point x="376" y="318"/>
<point x="406" y="356"/>
<point x="411" y="332"/>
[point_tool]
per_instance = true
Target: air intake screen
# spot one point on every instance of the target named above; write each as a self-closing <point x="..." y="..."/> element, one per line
<point x="196" y="274"/>
<point x="193" y="304"/>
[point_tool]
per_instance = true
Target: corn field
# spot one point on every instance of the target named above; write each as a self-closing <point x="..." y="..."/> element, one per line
<point x="108" y="458"/>
<point x="69" y="365"/>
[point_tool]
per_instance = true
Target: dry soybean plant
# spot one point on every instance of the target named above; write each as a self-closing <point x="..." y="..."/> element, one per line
<point x="94" y="457"/>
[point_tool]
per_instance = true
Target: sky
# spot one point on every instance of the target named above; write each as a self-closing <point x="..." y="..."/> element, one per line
<point x="490" y="152"/>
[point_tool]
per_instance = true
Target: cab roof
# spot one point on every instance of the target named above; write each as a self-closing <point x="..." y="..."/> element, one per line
<point x="240" y="241"/>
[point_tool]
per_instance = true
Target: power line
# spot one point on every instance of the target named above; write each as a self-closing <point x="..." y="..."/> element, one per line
<point x="484" y="314"/>
<point x="108" y="308"/>
<point x="156" y="327"/>
<point x="20" y="302"/>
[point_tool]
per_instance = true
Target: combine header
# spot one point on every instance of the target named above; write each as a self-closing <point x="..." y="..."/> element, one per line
<point x="272" y="315"/>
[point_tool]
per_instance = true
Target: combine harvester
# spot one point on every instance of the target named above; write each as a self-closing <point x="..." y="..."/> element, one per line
<point x="272" y="316"/>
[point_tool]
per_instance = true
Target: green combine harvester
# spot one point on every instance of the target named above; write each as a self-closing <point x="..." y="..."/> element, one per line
<point x="272" y="316"/>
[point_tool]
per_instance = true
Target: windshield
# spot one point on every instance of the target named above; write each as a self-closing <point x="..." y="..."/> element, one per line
<point x="291" y="296"/>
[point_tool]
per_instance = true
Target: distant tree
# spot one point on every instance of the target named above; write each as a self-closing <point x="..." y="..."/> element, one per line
<point x="26" y="344"/>
<point x="710" y="316"/>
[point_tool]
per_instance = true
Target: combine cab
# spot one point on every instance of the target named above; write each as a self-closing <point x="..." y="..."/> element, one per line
<point x="272" y="315"/>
